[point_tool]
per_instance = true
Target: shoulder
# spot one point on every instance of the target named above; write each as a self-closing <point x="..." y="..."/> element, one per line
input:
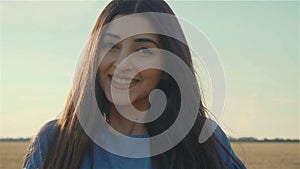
<point x="226" y="151"/>
<point x="39" y="145"/>
<point x="222" y="137"/>
<point x="48" y="130"/>
<point x="46" y="133"/>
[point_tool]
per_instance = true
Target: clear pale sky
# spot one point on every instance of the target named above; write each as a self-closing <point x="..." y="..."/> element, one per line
<point x="258" y="43"/>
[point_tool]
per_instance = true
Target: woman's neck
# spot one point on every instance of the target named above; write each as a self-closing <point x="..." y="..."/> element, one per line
<point x="125" y="126"/>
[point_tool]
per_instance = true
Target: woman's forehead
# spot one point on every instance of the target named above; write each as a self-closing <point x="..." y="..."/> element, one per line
<point x="123" y="26"/>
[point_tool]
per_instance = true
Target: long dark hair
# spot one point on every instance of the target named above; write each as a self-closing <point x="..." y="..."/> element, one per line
<point x="71" y="142"/>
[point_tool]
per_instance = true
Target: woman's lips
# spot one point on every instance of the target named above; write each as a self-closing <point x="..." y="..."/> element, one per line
<point x="122" y="82"/>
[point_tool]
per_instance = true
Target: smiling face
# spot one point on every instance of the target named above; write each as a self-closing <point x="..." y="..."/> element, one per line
<point x="118" y="57"/>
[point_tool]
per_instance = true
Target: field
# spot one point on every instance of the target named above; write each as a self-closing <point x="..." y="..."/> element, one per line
<point x="12" y="154"/>
<point x="269" y="155"/>
<point x="254" y="155"/>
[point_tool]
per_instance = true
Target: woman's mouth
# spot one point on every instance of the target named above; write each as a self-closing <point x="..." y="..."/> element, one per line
<point x="121" y="82"/>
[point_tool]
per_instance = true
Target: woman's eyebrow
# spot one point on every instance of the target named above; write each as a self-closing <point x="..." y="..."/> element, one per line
<point x="146" y="40"/>
<point x="136" y="40"/>
<point x="112" y="35"/>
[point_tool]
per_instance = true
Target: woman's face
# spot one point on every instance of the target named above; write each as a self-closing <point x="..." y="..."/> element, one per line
<point x="144" y="81"/>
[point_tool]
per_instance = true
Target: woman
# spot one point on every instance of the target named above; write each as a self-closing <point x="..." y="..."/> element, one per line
<point x="65" y="144"/>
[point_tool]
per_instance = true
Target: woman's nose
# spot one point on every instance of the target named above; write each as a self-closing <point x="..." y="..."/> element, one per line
<point x="123" y="54"/>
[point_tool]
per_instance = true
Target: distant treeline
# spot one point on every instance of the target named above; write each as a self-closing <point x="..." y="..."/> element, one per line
<point x="14" y="139"/>
<point x="242" y="139"/>
<point x="252" y="139"/>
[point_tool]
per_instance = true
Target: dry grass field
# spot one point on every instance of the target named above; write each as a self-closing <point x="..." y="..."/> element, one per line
<point x="254" y="155"/>
<point x="269" y="155"/>
<point x="12" y="154"/>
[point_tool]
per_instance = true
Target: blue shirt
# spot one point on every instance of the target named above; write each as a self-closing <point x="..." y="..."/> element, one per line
<point x="103" y="159"/>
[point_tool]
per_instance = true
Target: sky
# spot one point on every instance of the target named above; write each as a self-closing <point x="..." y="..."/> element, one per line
<point x="257" y="42"/>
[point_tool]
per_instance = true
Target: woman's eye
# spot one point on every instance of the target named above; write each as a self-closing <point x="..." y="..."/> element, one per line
<point x="145" y="50"/>
<point x="110" y="45"/>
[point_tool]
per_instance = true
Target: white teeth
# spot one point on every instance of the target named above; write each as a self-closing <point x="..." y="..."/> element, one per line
<point x="121" y="81"/>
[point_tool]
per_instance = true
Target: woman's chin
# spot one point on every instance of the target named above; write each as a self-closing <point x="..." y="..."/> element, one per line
<point x="119" y="101"/>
